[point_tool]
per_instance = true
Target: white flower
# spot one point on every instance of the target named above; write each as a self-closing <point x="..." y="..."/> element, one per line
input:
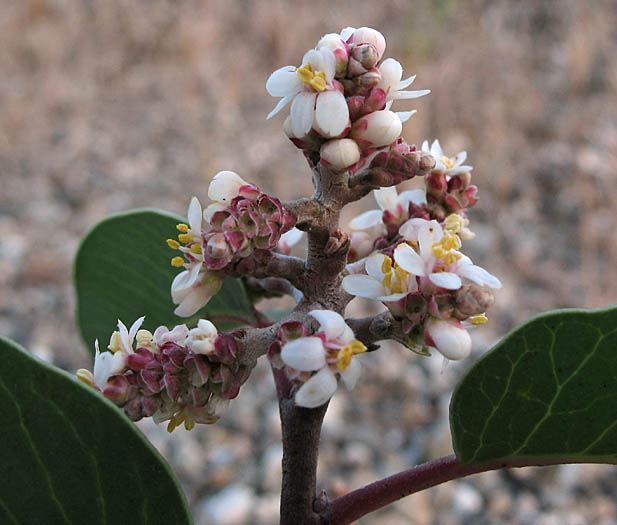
<point x="449" y="338"/>
<point x="315" y="101"/>
<point x="107" y="364"/>
<point x="162" y="335"/>
<point x="201" y="339"/>
<point x="192" y="290"/>
<point x="437" y="258"/>
<point x="330" y="353"/>
<point x="383" y="280"/>
<point x="122" y="339"/>
<point x="223" y="188"/>
<point x="391" y="74"/>
<point x="450" y="165"/>
<point x="389" y="200"/>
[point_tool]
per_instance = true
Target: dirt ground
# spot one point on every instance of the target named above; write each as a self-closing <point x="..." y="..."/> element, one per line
<point x="112" y="105"/>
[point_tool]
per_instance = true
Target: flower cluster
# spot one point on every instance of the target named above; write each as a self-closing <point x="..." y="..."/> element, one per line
<point x="240" y="220"/>
<point x="409" y="253"/>
<point x="341" y="98"/>
<point x="317" y="362"/>
<point x="181" y="375"/>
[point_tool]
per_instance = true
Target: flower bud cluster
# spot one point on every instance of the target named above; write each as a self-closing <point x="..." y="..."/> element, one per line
<point x="316" y="363"/>
<point x="240" y="220"/>
<point x="341" y="98"/>
<point x="182" y="376"/>
<point x="412" y="261"/>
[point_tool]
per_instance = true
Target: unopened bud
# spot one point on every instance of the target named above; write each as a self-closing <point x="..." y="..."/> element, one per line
<point x="369" y="79"/>
<point x="377" y="129"/>
<point x="449" y="338"/>
<point x="355" y="68"/>
<point x="336" y="241"/>
<point x="472" y="300"/>
<point x="367" y="35"/>
<point x="366" y="55"/>
<point x="436" y="183"/>
<point x="339" y="154"/>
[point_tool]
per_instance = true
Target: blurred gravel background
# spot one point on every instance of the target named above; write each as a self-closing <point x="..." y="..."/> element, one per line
<point x="111" y="105"/>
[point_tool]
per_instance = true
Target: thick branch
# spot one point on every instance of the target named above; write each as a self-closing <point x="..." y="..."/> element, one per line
<point x="374" y="496"/>
<point x="306" y="210"/>
<point x="301" y="430"/>
<point x="369" y="330"/>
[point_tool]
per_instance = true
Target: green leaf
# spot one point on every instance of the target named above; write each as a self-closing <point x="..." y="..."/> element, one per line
<point x="70" y="456"/>
<point x="549" y="389"/>
<point x="123" y="271"/>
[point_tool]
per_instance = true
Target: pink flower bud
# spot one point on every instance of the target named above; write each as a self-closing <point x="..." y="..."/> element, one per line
<point x="436" y="183"/>
<point x="117" y="390"/>
<point x="339" y="153"/>
<point x="377" y="129"/>
<point x="333" y="42"/>
<point x="449" y="338"/>
<point x="366" y="55"/>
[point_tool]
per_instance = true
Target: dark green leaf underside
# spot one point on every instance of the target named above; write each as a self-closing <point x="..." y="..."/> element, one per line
<point x="67" y="455"/>
<point x="122" y="271"/>
<point x="548" y="389"/>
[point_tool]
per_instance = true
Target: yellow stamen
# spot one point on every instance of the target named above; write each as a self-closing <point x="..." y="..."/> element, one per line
<point x="189" y="424"/>
<point x="386" y="265"/>
<point x="115" y="342"/>
<point x="478" y="319"/>
<point x="85" y="376"/>
<point x="183" y="228"/>
<point x="305" y="73"/>
<point x="447" y="162"/>
<point x="345" y="354"/>
<point x="196" y="248"/>
<point x="446" y="248"/>
<point x="175" y="422"/>
<point x="173" y="244"/>
<point x="143" y="337"/>
<point x="177" y="262"/>
<point x="454" y="223"/>
<point x="186" y="237"/>
<point x="318" y="82"/>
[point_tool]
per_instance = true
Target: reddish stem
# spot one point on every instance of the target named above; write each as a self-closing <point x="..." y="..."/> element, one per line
<point x="374" y="496"/>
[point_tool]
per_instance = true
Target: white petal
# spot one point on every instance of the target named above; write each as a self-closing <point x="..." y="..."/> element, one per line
<point x="291" y="237"/>
<point x="302" y="113"/>
<point x="198" y="296"/>
<point x="425" y="147"/>
<point x="459" y="169"/>
<point x="281" y="104"/>
<point x="374" y="265"/>
<point x="447" y="280"/>
<point x="363" y="286"/>
<point x="194" y="215"/>
<point x="366" y="220"/>
<point x="409" y="260"/>
<point x="418" y="197"/>
<point x="404" y="116"/>
<point x="124" y="337"/>
<point x="429" y="234"/>
<point x="304" y="354"/>
<point x="184" y="281"/>
<point x="331" y="323"/>
<point x="386" y="198"/>
<point x="459" y="158"/>
<point x="351" y="374"/>
<point x="436" y="150"/>
<point x="134" y="327"/>
<point x="224" y="186"/>
<point x="331" y="113"/>
<point x="317" y="390"/>
<point x="346" y="33"/>
<point x="406" y="95"/>
<point x="284" y="82"/>
<point x="393" y="297"/>
<point x="410" y="230"/>
<point x="391" y="73"/>
<point x="478" y="275"/>
<point x="326" y="63"/>
<point x="405" y="83"/>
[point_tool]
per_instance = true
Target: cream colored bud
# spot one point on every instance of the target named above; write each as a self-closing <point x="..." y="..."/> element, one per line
<point x="377" y="129"/>
<point x="450" y="338"/>
<point x="340" y="153"/>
